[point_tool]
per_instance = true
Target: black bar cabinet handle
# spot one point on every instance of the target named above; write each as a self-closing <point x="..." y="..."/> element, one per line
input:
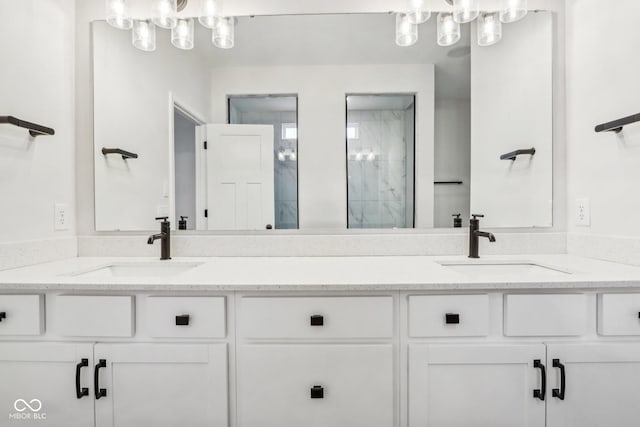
<point x="542" y="391"/>
<point x="452" y="318"/>
<point x="559" y="393"/>
<point x="100" y="392"/>
<point x="317" y="392"/>
<point x="81" y="391"/>
<point x="3" y="315"/>
<point x="316" y="320"/>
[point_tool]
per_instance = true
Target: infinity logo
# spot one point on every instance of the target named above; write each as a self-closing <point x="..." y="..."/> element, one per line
<point x="21" y="405"/>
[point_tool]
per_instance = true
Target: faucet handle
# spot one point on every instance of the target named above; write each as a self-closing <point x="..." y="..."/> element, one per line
<point x="476" y="216"/>
<point x="162" y="218"/>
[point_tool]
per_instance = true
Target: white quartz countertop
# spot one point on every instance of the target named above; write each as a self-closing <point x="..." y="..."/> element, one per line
<point x="324" y="273"/>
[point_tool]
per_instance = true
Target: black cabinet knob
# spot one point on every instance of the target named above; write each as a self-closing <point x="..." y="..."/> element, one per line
<point x="317" y="320"/>
<point x="182" y="320"/>
<point x="3" y="315"/>
<point x="452" y="318"/>
<point x="269" y="227"/>
<point x="317" y="392"/>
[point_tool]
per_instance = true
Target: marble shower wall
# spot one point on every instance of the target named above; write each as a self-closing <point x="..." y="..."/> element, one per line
<point x="377" y="170"/>
<point x="285" y="170"/>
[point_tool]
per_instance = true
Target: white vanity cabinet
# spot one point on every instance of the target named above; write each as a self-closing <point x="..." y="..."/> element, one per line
<point x="46" y="383"/>
<point x="163" y="385"/>
<point x="476" y="385"/>
<point x="601" y="385"/>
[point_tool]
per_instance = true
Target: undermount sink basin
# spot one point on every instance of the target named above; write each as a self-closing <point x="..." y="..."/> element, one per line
<point x="142" y="269"/>
<point x="503" y="268"/>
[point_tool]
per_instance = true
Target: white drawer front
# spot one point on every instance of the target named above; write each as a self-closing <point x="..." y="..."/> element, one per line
<point x="545" y="315"/>
<point x="449" y="316"/>
<point x="186" y="317"/>
<point x="340" y="317"/>
<point x="619" y="314"/>
<point x="275" y="386"/>
<point x="93" y="316"/>
<point x="21" y="315"/>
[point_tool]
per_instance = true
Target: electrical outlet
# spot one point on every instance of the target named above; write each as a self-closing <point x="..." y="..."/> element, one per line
<point x="60" y="217"/>
<point x="583" y="212"/>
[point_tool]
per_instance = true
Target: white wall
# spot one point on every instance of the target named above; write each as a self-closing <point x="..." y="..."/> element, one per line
<point x="37" y="74"/>
<point x="603" y="85"/>
<point x="321" y="93"/>
<point x="132" y="92"/>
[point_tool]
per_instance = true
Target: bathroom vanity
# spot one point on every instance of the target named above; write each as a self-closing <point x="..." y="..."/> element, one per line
<point x="362" y="341"/>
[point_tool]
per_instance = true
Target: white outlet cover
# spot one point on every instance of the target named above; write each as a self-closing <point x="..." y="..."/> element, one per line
<point x="61" y="216"/>
<point x="583" y="212"/>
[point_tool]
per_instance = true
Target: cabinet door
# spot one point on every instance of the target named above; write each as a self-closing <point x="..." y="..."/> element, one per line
<point x="601" y="385"/>
<point x="316" y="386"/>
<point x="38" y="384"/>
<point x="162" y="385"/>
<point x="475" y="385"/>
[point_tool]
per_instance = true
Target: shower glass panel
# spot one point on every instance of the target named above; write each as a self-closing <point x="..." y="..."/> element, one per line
<point x="380" y="161"/>
<point x="281" y="111"/>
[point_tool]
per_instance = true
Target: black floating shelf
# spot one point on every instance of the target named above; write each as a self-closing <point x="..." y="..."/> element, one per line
<point x="448" y="182"/>
<point x="125" y="154"/>
<point x="34" y="129"/>
<point x="617" y="125"/>
<point x="514" y="154"/>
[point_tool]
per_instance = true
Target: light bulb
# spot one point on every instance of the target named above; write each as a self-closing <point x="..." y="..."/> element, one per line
<point x="448" y="30"/>
<point x="144" y="35"/>
<point x="165" y="13"/>
<point x="118" y="14"/>
<point x="224" y="33"/>
<point x="210" y="11"/>
<point x="417" y="13"/>
<point x="182" y="34"/>
<point x="489" y="29"/>
<point x="406" y="32"/>
<point x="513" y="10"/>
<point x="465" y="10"/>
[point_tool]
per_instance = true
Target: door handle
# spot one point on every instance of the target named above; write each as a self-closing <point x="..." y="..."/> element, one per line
<point x="559" y="393"/>
<point x="81" y="391"/>
<point x="100" y="392"/>
<point x="542" y="391"/>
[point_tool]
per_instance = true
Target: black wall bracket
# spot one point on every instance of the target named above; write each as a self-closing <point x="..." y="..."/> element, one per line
<point x="514" y="154"/>
<point x="617" y="125"/>
<point x="125" y="154"/>
<point x="34" y="129"/>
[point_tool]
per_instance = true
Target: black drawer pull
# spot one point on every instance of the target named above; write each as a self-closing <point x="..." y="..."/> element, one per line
<point x="317" y="320"/>
<point x="542" y="391"/>
<point x="81" y="391"/>
<point x="182" y="320"/>
<point x="452" y="319"/>
<point x="100" y="392"/>
<point x="317" y="392"/>
<point x="3" y="315"/>
<point x="559" y="393"/>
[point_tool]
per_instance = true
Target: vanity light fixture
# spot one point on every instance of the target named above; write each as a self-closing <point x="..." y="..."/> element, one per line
<point x="417" y="13"/>
<point x="465" y="10"/>
<point x="165" y="13"/>
<point x="183" y="33"/>
<point x="489" y="28"/>
<point x="118" y="14"/>
<point x="448" y="29"/>
<point x="144" y="35"/>
<point x="223" y="35"/>
<point x="513" y="10"/>
<point x="406" y="31"/>
<point x="210" y="12"/>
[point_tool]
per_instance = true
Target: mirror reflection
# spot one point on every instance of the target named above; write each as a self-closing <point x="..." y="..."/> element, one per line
<point x="324" y="122"/>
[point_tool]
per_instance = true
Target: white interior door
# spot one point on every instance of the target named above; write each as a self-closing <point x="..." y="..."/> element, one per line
<point x="475" y="385"/>
<point x="512" y="109"/>
<point x="38" y="384"/>
<point x="601" y="385"/>
<point x="162" y="385"/>
<point x="240" y="177"/>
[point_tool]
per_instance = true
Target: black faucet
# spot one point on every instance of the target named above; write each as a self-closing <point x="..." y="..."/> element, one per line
<point x="474" y="233"/>
<point x="164" y="237"/>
